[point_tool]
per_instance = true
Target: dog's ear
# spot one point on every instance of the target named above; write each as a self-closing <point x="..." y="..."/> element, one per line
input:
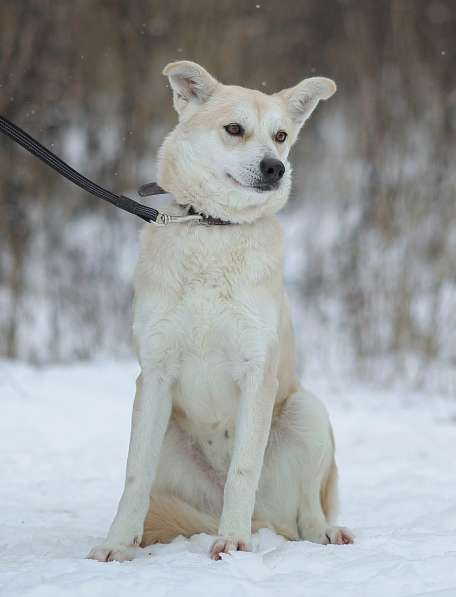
<point x="302" y="99"/>
<point x="190" y="82"/>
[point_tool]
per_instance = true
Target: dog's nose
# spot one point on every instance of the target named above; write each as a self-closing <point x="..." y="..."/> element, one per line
<point x="272" y="170"/>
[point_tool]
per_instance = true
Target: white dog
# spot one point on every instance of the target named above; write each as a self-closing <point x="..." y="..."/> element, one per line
<point x="223" y="437"/>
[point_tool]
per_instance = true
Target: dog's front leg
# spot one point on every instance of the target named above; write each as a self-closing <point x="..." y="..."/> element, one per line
<point x="151" y="412"/>
<point x="258" y="392"/>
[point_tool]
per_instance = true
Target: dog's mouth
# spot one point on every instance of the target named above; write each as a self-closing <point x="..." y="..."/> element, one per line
<point x="259" y="187"/>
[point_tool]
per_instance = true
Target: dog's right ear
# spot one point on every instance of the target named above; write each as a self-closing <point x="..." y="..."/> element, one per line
<point x="190" y="82"/>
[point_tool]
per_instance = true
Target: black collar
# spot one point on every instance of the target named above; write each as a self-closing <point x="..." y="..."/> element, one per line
<point x="210" y="220"/>
<point x="152" y="188"/>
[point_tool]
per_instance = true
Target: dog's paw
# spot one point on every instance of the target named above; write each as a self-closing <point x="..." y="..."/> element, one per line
<point x="112" y="553"/>
<point x="227" y="545"/>
<point x="337" y="536"/>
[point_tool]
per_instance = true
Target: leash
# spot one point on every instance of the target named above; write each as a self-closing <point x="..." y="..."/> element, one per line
<point x="148" y="214"/>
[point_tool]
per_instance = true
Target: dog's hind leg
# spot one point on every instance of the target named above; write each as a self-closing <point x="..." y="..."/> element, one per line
<point x="318" y="501"/>
<point x="300" y="458"/>
<point x="313" y="522"/>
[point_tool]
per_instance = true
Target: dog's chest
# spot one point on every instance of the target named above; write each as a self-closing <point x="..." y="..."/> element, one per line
<point x="211" y="309"/>
<point x="215" y="322"/>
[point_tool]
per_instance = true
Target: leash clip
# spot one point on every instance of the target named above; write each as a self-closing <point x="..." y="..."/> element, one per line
<point x="163" y="219"/>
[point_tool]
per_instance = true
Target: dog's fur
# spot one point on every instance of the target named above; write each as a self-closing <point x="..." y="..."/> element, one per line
<point x="223" y="439"/>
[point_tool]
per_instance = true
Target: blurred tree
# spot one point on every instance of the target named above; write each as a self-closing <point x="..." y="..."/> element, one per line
<point x="85" y="78"/>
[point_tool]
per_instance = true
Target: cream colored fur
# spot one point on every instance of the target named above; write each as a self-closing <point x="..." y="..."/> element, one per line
<point x="223" y="436"/>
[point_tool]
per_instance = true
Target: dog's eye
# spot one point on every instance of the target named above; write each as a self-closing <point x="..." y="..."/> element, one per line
<point x="280" y="136"/>
<point x="234" y="129"/>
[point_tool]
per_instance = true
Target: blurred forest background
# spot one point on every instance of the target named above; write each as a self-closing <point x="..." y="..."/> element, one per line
<point x="371" y="225"/>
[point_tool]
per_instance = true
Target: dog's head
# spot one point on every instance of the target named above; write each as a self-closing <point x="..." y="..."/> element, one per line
<point x="228" y="155"/>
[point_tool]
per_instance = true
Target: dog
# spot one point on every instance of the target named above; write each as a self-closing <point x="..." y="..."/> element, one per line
<point x="224" y="439"/>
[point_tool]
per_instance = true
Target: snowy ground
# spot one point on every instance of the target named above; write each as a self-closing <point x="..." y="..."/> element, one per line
<point x="63" y="442"/>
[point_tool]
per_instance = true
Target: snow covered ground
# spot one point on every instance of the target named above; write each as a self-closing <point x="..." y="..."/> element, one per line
<point x="63" y="444"/>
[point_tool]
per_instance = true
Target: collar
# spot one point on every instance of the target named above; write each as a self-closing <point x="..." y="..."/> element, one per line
<point x="162" y="219"/>
<point x="206" y="219"/>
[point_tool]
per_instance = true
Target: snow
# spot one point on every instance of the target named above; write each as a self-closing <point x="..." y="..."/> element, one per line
<point x="64" y="437"/>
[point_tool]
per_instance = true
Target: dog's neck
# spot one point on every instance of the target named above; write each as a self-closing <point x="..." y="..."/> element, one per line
<point x="214" y="213"/>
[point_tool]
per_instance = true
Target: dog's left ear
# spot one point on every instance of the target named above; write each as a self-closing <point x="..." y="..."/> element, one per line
<point x="303" y="98"/>
<point x="191" y="83"/>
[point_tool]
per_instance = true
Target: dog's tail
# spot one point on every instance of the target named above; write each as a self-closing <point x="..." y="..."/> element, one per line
<point x="169" y="516"/>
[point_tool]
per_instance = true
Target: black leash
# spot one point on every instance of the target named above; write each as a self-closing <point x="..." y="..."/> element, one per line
<point x="149" y="214"/>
